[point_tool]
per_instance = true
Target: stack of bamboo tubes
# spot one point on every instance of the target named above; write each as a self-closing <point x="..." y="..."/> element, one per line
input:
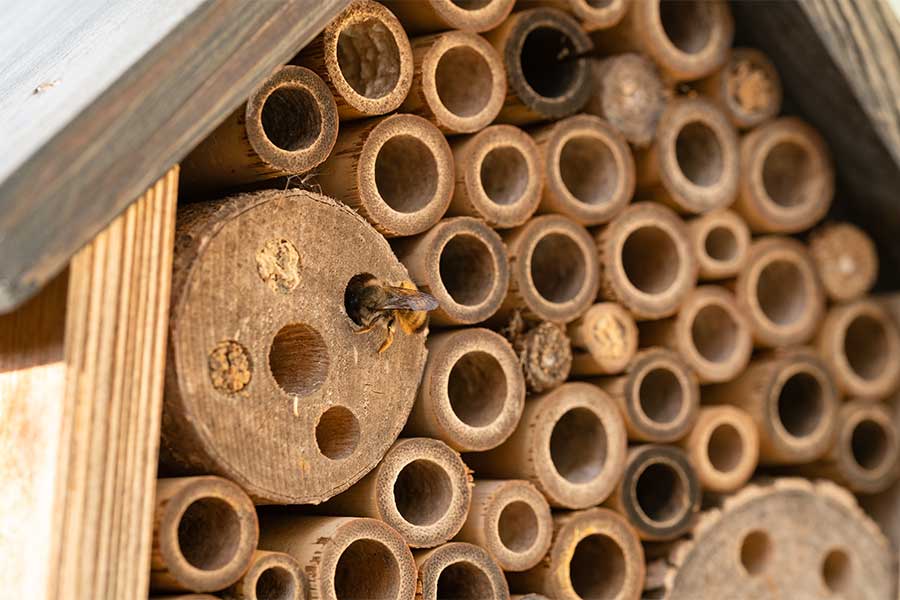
<point x="638" y="308"/>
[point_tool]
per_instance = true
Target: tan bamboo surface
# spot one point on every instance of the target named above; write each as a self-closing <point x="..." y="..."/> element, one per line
<point x="424" y="16"/>
<point x="747" y="88"/>
<point x="592" y="14"/>
<point x="846" y="260"/>
<point x="723" y="447"/>
<point x="721" y="241"/>
<point x="271" y="575"/>
<point x="460" y="570"/>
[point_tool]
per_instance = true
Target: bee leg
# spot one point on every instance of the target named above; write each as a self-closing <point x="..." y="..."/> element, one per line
<point x="366" y="328"/>
<point x="389" y="338"/>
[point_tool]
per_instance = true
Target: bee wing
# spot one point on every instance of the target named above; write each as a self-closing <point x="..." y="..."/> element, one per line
<point x="399" y="298"/>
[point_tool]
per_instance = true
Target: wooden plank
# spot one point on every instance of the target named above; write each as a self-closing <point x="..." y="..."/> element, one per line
<point x="144" y="123"/>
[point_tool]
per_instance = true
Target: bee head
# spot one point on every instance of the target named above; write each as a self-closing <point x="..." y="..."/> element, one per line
<point x="354" y="296"/>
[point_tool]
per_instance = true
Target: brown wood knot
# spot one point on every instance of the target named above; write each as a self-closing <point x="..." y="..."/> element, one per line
<point x="229" y="367"/>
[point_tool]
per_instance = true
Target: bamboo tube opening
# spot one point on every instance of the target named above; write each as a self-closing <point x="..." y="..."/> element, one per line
<point x="588" y="169"/>
<point x="367" y="569"/>
<point x="800" y="404"/>
<point x="650" y="259"/>
<point x="461" y="571"/>
<point x="467" y="269"/>
<point x="517" y="527"/>
<point x="578" y="446"/>
<point x="423" y="492"/>
<point x="276" y="583"/>
<point x="406" y="173"/>
<point x="337" y="433"/>
<point x="781" y="292"/>
<point x="789" y="174"/>
<point x="291" y="118"/>
<point x="870" y="445"/>
<point x="206" y="533"/>
<point x="298" y="359"/>
<point x="714" y="333"/>
<point x="471" y="4"/>
<point x="464" y="81"/>
<point x="721" y="241"/>
<point x="558" y="268"/>
<point x="756" y="551"/>
<point x="660" y="395"/>
<point x="726" y="448"/>
<point x="541" y="67"/>
<point x="597" y="568"/>
<point x="477" y="389"/>
<point x="270" y="576"/>
<point x="721" y="244"/>
<point x="748" y="87"/>
<point x="688" y="24"/>
<point x="837" y="571"/>
<point x="723" y="447"/>
<point x="464" y="581"/>
<point x="504" y="174"/>
<point x="661" y="492"/>
<point x="368" y="57"/>
<point x="867" y="347"/>
<point x="699" y="153"/>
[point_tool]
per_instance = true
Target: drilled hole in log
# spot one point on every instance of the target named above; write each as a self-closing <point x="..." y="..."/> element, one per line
<point x="781" y="292"/>
<point x="422" y="492"/>
<point x="471" y="4"/>
<point x="477" y="389"/>
<point x="369" y="58"/>
<point x="597" y="569"/>
<point x="291" y="118"/>
<point x="208" y="534"/>
<point x="464" y="81"/>
<point x="367" y="570"/>
<point x="837" y="572"/>
<point x="660" y="395"/>
<point x="504" y="175"/>
<point x="406" y="174"/>
<point x="463" y="581"/>
<point x="650" y="259"/>
<point x="756" y="552"/>
<point x="467" y="269"/>
<point x="558" y="268"/>
<point x="714" y="333"/>
<point x="578" y="446"/>
<point x="789" y="175"/>
<point x="588" y="169"/>
<point x="337" y="433"/>
<point x="800" y="404"/>
<point x="276" y="583"/>
<point x="298" y="359"/>
<point x="687" y="23"/>
<point x="726" y="448"/>
<point x="869" y="444"/>
<point x="699" y="154"/>
<point x="661" y="492"/>
<point x="721" y="244"/>
<point x="518" y="526"/>
<point x="866" y="347"/>
<point x="540" y="62"/>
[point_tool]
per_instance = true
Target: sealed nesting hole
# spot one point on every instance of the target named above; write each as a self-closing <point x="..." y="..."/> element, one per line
<point x="869" y="444"/>
<point x="464" y="81"/>
<point x="276" y="583"/>
<point x="781" y="292"/>
<point x="477" y="389"/>
<point x="337" y="433"/>
<point x="725" y="448"/>
<point x="544" y="62"/>
<point x="229" y="367"/>
<point x="721" y="244"/>
<point x="369" y="58"/>
<point x="504" y="175"/>
<point x="714" y="333"/>
<point x="467" y="269"/>
<point x="866" y="346"/>
<point x="836" y="571"/>
<point x="650" y="259"/>
<point x="406" y="174"/>
<point x="298" y="359"/>
<point x="756" y="552"/>
<point x="558" y="268"/>
<point x="208" y="533"/>
<point x="291" y="118"/>
<point x="422" y="492"/>
<point x="517" y="526"/>
<point x="578" y="446"/>
<point x="661" y="492"/>
<point x="464" y="581"/>
<point x="366" y="570"/>
<point x="687" y="23"/>
<point x="800" y="404"/>
<point x="588" y="169"/>
<point x="597" y="569"/>
<point x="660" y="395"/>
<point x="699" y="154"/>
<point x="750" y="87"/>
<point x="789" y="175"/>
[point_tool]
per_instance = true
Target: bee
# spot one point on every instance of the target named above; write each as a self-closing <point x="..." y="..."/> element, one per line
<point x="371" y="302"/>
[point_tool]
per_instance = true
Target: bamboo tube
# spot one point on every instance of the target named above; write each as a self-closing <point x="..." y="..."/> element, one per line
<point x="605" y="340"/>
<point x="205" y="532"/>
<point x="646" y="261"/>
<point x="787" y="177"/>
<point x="721" y="241"/>
<point x="344" y="557"/>
<point x="593" y="14"/>
<point x="288" y="125"/>
<point x="629" y="94"/>
<point x="595" y="554"/>
<point x="421" y="488"/>
<point x="779" y="292"/>
<point x="461" y="262"/>
<point x="185" y="597"/>
<point x="472" y="391"/>
<point x="426" y="16"/>
<point x="459" y="571"/>
<point x="271" y="576"/>
<point x="498" y="176"/>
<point x="458" y="84"/>
<point x="792" y="399"/>
<point x="511" y="520"/>
<point x="544" y="352"/>
<point x="570" y="444"/>
<point x="861" y="346"/>
<point x="659" y="493"/>
<point x="709" y="332"/>
<point x="688" y="40"/>
<point x="531" y="596"/>
<point x="554" y="273"/>
<point x="547" y="78"/>
<point x="588" y="169"/>
<point x="723" y="446"/>
<point x="396" y="171"/>
<point x="693" y="163"/>
<point x="658" y="396"/>
<point x="364" y="56"/>
<point x="846" y="260"/>
<point x="747" y="88"/>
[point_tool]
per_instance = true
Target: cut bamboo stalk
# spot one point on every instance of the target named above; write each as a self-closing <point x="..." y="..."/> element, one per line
<point x="396" y="171"/>
<point x="646" y="261"/>
<point x="709" y="332"/>
<point x="861" y="346"/>
<point x="271" y="576"/>
<point x="787" y="177"/>
<point x="344" y="557"/>
<point x="747" y="88"/>
<point x="288" y="125"/>
<point x="658" y="396"/>
<point x="364" y="56"/>
<point x="779" y="292"/>
<point x="459" y="571"/>
<point x="554" y="273"/>
<point x="531" y="596"/>
<point x="498" y="176"/>
<point x="185" y="597"/>
<point x="458" y="84"/>
<point x="693" y="163"/>
<point x="604" y="339"/>
<point x="542" y="51"/>
<point x="593" y="14"/>
<point x="792" y="399"/>
<point x="544" y="352"/>
<point x="721" y="241"/>
<point x="595" y="554"/>
<point x="846" y="260"/>
<point x="426" y="16"/>
<point x="511" y="520"/>
<point x="272" y="375"/>
<point x="461" y="262"/>
<point x="629" y="93"/>
<point x="570" y="444"/>
<point x="659" y="493"/>
<point x="688" y="40"/>
<point x="588" y="169"/>
<point x="723" y="446"/>
<point x="421" y="488"/>
<point x="205" y="532"/>
<point x="472" y="391"/>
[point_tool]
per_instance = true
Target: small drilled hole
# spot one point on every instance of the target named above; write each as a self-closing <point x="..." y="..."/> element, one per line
<point x="298" y="359"/>
<point x="866" y="347"/>
<point x="661" y="492"/>
<point x="800" y="404"/>
<point x="291" y="118"/>
<point x="464" y="81"/>
<point x="869" y="444"/>
<point x="699" y="154"/>
<point x="661" y="396"/>
<point x="422" y="492"/>
<point x="756" y="552"/>
<point x="789" y="175"/>
<point x="721" y="244"/>
<point x="369" y="58"/>
<point x="688" y="23"/>
<point x="463" y="581"/>
<point x="477" y="389"/>
<point x="504" y="175"/>
<point x="406" y="174"/>
<point x="276" y="583"/>
<point x="542" y="62"/>
<point x="597" y="569"/>
<point x="367" y="570"/>
<point x="588" y="169"/>
<point x="471" y="4"/>
<point x="781" y="292"/>
<point x="578" y="446"/>
<point x="208" y="534"/>
<point x="726" y="448"/>
<point x="337" y="433"/>
<point x="558" y="268"/>
<point x="714" y="333"/>
<point x="837" y="571"/>
<point x="518" y="526"/>
<point x="467" y="269"/>
<point x="650" y="259"/>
